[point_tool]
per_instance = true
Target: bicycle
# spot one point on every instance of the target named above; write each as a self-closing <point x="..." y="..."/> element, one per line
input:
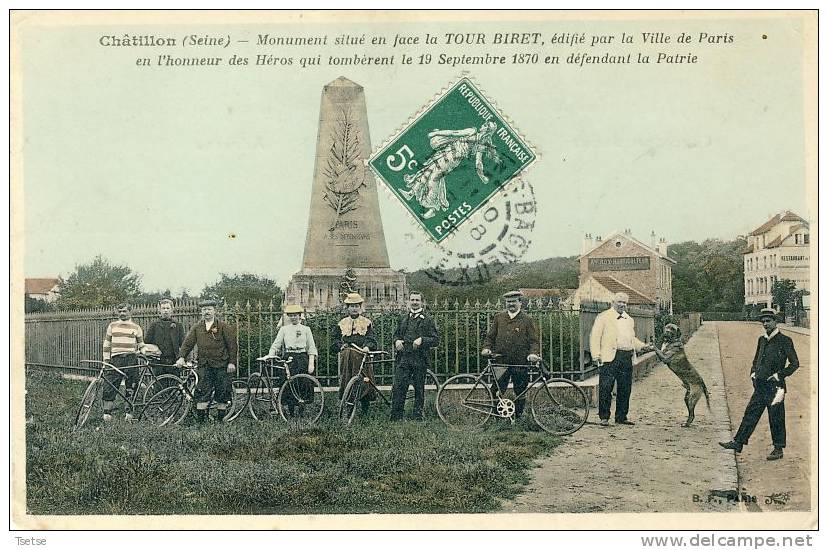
<point x="354" y="389"/>
<point x="467" y="401"/>
<point x="299" y="400"/>
<point x="172" y="403"/>
<point x="134" y="398"/>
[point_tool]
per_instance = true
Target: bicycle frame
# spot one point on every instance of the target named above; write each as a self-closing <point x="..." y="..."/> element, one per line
<point x="370" y="357"/>
<point x="105" y="366"/>
<point x="498" y="393"/>
<point x="266" y="366"/>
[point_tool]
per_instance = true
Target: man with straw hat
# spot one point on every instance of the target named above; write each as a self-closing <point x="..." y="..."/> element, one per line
<point x="358" y="330"/>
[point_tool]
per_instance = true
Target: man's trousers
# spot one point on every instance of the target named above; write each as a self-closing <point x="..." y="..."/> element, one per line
<point x="763" y="394"/>
<point x="408" y="373"/>
<point x="619" y="371"/>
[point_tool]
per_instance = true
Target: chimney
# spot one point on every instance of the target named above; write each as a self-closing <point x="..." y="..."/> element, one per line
<point x="662" y="246"/>
<point x="587" y="244"/>
<point x="653" y="240"/>
<point x="598" y="239"/>
<point x="627" y="232"/>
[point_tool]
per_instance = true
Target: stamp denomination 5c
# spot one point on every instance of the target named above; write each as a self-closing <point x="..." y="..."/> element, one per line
<point x="451" y="158"/>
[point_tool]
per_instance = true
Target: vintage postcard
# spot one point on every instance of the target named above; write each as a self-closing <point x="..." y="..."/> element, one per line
<point x="414" y="269"/>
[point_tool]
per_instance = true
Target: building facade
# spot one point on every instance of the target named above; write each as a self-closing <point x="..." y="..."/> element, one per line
<point x="46" y="289"/>
<point x="622" y="263"/>
<point x="778" y="249"/>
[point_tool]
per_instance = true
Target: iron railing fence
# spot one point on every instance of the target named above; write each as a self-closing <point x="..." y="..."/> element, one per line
<point x="62" y="339"/>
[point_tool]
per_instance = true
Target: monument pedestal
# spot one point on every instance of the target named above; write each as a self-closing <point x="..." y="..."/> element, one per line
<point x="345" y="247"/>
<point x="319" y="287"/>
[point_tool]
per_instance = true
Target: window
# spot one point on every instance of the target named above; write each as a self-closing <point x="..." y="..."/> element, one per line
<point x="806" y="238"/>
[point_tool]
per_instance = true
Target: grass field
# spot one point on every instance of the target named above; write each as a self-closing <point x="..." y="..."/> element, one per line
<point x="247" y="467"/>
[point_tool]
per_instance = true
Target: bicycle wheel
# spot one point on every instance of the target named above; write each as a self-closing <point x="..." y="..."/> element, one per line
<point x="350" y="399"/>
<point x="432" y="386"/>
<point x="464" y="402"/>
<point x="88" y="401"/>
<point x="560" y="407"/>
<point x="239" y="399"/>
<point x="168" y="406"/>
<point x="162" y="381"/>
<point x="261" y="403"/>
<point x="301" y="400"/>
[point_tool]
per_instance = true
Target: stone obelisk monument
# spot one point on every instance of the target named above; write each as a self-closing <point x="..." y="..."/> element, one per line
<point x="345" y="244"/>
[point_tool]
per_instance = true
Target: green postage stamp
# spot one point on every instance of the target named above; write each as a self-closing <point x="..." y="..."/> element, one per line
<point x="451" y="159"/>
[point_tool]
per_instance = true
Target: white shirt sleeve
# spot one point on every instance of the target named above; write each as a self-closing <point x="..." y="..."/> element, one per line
<point x="311" y="344"/>
<point x="278" y="342"/>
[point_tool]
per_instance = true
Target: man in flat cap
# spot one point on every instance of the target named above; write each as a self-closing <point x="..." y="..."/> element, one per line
<point x="612" y="343"/>
<point x="773" y="351"/>
<point x="358" y="330"/>
<point x="514" y="336"/>
<point x="217" y="348"/>
<point x="415" y="335"/>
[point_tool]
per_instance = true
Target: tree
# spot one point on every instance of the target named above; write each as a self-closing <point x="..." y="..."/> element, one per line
<point x="98" y="284"/>
<point x="708" y="276"/>
<point x="783" y="294"/>
<point x="36" y="305"/>
<point x="243" y="288"/>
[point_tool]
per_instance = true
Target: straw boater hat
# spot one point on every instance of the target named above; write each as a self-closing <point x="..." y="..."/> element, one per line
<point x="353" y="298"/>
<point x="670" y="326"/>
<point x="513" y="294"/>
<point x="293" y="308"/>
<point x="767" y="312"/>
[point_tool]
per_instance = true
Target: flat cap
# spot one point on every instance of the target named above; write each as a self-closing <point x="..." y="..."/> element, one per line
<point x="208" y="302"/>
<point x="513" y="294"/>
<point x="353" y="298"/>
<point x="293" y="308"/>
<point x="767" y="312"/>
<point x="671" y="326"/>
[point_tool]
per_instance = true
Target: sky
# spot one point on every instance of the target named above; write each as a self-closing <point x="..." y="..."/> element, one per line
<point x="157" y="167"/>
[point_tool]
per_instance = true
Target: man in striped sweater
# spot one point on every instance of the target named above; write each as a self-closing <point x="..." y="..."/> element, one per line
<point x="120" y="347"/>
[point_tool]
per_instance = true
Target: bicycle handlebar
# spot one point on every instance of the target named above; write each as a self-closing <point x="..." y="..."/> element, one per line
<point x="371" y="353"/>
<point x="274" y="358"/>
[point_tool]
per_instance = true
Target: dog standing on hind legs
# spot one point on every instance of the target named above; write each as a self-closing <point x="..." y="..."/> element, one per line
<point x="673" y="355"/>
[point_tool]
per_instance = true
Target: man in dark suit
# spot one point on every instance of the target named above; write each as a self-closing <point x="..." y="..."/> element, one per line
<point x="768" y="373"/>
<point x="414" y="337"/>
<point x="168" y="335"/>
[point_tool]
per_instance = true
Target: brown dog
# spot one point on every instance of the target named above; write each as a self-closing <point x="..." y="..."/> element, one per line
<point x="672" y="354"/>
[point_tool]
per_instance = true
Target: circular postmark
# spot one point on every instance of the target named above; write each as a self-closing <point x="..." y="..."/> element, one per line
<point x="499" y="233"/>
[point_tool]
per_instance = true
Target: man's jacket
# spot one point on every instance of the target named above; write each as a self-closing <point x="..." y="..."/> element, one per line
<point x="603" y="340"/>
<point x="771" y="356"/>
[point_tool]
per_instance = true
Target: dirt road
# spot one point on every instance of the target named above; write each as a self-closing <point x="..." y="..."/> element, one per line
<point x="787" y="480"/>
<point x="654" y="466"/>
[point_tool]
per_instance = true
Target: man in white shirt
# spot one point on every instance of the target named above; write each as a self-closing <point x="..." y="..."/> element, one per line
<point x="612" y="343"/>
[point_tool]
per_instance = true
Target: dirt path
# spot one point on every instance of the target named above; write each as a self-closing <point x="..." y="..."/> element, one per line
<point x="789" y="478"/>
<point x="654" y="466"/>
